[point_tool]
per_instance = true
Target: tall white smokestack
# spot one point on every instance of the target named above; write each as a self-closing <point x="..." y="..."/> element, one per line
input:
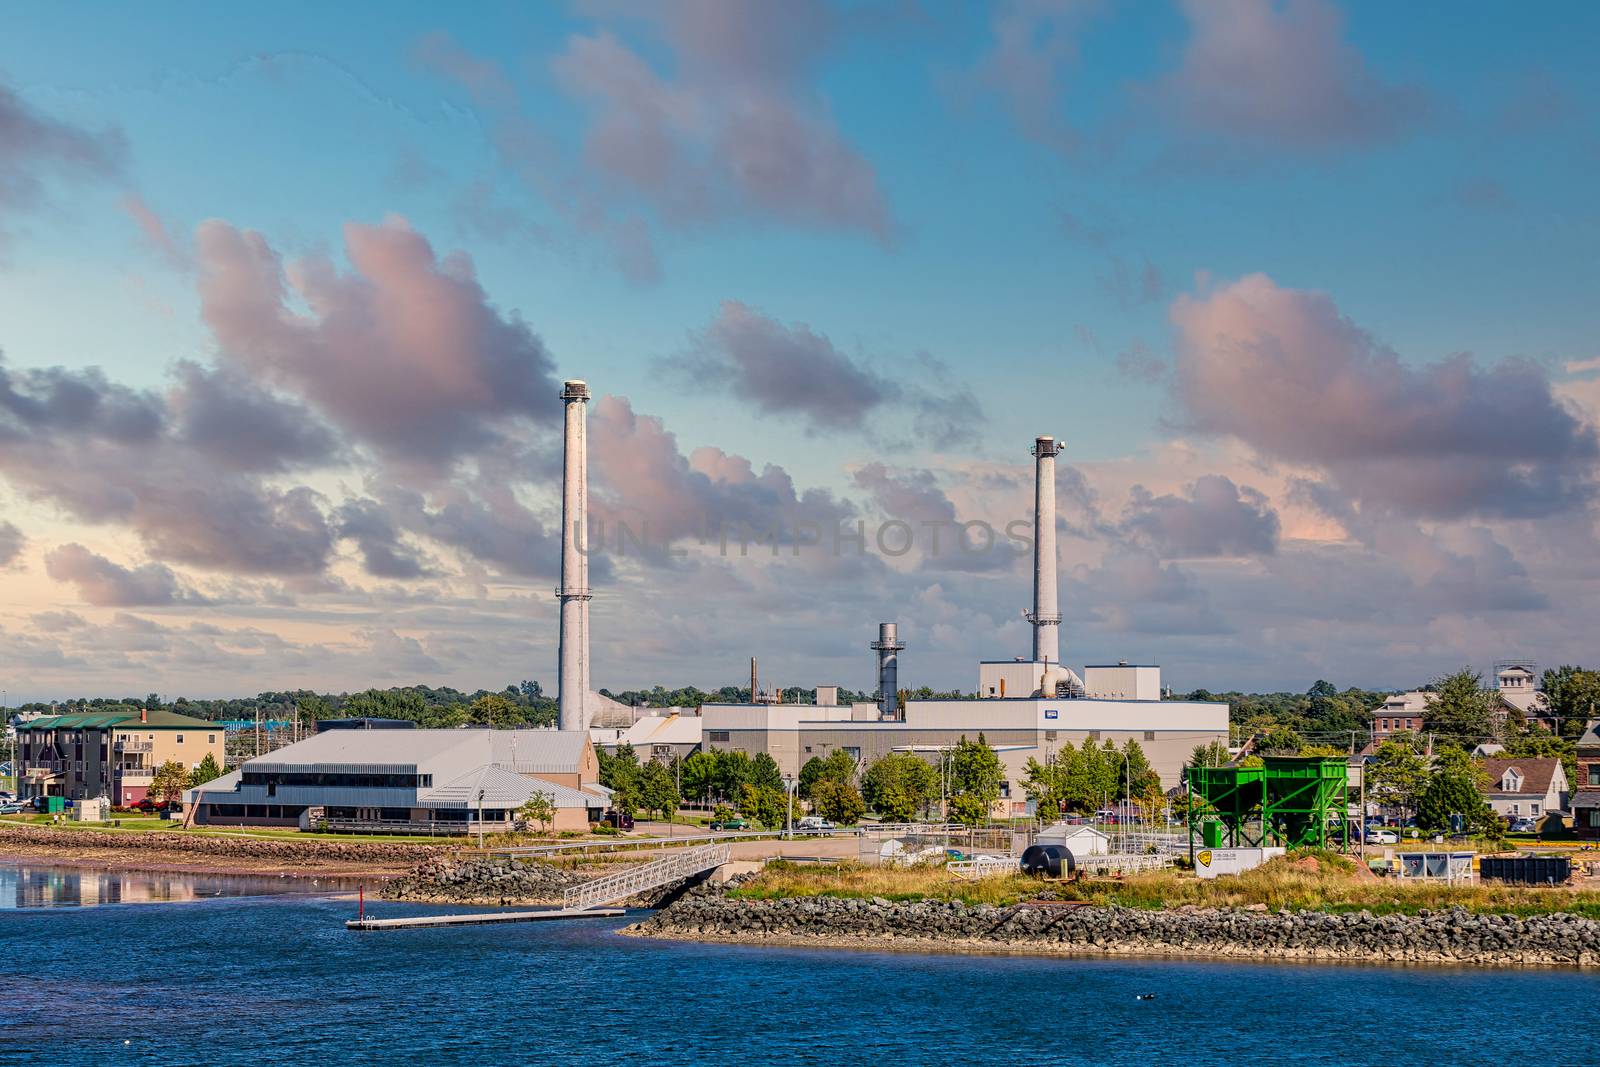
<point x="574" y="591"/>
<point x="1046" y="615"/>
<point x="889" y="648"/>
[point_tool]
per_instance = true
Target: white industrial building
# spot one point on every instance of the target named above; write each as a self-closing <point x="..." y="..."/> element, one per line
<point x="1025" y="708"/>
<point x="443" y="781"/>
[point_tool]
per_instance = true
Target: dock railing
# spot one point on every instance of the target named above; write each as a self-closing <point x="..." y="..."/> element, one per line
<point x="673" y="867"/>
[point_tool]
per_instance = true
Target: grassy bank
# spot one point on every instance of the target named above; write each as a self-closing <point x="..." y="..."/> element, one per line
<point x="1303" y="882"/>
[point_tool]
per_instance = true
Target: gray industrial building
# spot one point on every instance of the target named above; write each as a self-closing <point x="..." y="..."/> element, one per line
<point x="1025" y="707"/>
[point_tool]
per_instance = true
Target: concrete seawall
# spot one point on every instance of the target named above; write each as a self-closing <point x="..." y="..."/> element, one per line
<point x="215" y="850"/>
<point x="1455" y="936"/>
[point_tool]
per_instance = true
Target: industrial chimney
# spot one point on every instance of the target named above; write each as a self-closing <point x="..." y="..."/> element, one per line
<point x="574" y="591"/>
<point x="1046" y="615"/>
<point x="888" y="647"/>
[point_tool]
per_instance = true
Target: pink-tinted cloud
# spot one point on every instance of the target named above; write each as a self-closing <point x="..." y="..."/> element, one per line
<point x="106" y="584"/>
<point x="1283" y="371"/>
<point x="1036" y="44"/>
<point x="1211" y="517"/>
<point x="404" y="351"/>
<point x="156" y="234"/>
<point x="642" y="478"/>
<point x="1279" y="72"/>
<point x="737" y="131"/>
<point x="484" y="78"/>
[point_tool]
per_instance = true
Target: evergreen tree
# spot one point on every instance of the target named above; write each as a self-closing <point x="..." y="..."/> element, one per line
<point x="1458" y="708"/>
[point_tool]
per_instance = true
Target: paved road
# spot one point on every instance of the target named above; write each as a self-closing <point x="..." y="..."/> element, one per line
<point x="843" y="847"/>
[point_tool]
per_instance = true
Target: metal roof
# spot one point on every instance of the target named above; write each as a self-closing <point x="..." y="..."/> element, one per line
<point x="538" y="751"/>
<point x="502" y="789"/>
<point x="95" y="720"/>
<point x="385" y="751"/>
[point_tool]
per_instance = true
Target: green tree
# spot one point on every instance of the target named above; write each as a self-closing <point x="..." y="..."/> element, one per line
<point x="657" y="791"/>
<point x="169" y="782"/>
<point x="765" y="805"/>
<point x="1281" y="741"/>
<point x="733" y="772"/>
<point x="838" y="801"/>
<point x="764" y="772"/>
<point x="839" y="766"/>
<point x="976" y="774"/>
<point x="899" y="785"/>
<point x="1138" y="779"/>
<point x="205" y="771"/>
<point x="1210" y="754"/>
<point x="1573" y="696"/>
<point x="1456" y="788"/>
<point x="620" y="769"/>
<point x="1459" y="709"/>
<point x="1396" y="775"/>
<point x="699" y="774"/>
<point x="540" y="809"/>
<point x="497" y="711"/>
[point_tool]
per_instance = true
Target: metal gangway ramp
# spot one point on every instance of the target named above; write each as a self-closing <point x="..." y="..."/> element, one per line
<point x="674" y="867"/>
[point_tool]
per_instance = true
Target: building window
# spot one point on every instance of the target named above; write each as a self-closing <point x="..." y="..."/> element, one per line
<point x="719" y="735"/>
<point x="1049" y="735"/>
<point x="180" y="739"/>
<point x="1594" y="774"/>
<point x="1515" y="807"/>
<point x="1534" y="807"/>
<point x="1149" y="735"/>
<point x="1005" y="790"/>
<point x="211" y="739"/>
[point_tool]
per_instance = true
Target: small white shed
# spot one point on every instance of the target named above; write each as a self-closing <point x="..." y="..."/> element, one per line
<point x="1079" y="839"/>
<point x="92" y="809"/>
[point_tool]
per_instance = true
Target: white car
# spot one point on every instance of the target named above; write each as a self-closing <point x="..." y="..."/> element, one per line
<point x="812" y="822"/>
<point x="1376" y="836"/>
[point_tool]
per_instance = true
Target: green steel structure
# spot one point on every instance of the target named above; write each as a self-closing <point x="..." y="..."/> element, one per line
<point x="1289" y="801"/>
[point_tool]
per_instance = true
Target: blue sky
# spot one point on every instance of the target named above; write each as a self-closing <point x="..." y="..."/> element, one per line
<point x="995" y="209"/>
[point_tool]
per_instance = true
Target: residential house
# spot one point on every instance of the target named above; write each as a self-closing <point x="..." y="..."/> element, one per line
<point x="113" y="754"/>
<point x="1525" y="788"/>
<point x="1586" y="795"/>
<point x="1399" y="713"/>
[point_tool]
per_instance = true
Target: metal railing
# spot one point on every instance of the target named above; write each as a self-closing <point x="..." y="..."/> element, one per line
<point x="675" y="867"/>
<point x="134" y="746"/>
<point x="136" y="773"/>
<point x="982" y="867"/>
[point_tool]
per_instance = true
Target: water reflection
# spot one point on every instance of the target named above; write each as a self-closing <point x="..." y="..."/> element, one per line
<point x="47" y="886"/>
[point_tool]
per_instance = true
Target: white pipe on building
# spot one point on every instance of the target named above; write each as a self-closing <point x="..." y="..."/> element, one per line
<point x="1046" y="615"/>
<point x="889" y="647"/>
<point x="574" y="592"/>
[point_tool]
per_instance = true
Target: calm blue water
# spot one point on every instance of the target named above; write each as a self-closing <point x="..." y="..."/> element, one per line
<point x="278" y="980"/>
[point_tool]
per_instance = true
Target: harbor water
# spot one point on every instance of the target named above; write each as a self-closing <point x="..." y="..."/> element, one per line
<point x="167" y="969"/>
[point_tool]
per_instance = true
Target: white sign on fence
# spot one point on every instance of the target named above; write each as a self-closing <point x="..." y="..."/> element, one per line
<point x="1210" y="862"/>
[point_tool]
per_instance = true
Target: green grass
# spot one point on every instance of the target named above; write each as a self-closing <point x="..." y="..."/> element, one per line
<point x="1289" y="882"/>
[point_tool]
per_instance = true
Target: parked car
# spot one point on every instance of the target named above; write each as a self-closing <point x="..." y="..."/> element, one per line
<point x="815" y="823"/>
<point x="731" y="823"/>
<point x="1524" y="826"/>
<point x="620" y="819"/>
<point x="10" y="807"/>
<point x="1382" y="837"/>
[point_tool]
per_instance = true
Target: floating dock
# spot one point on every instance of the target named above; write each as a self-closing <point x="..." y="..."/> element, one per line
<point x="412" y="922"/>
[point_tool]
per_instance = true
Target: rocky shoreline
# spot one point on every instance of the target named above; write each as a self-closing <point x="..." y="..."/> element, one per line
<point x="1455" y="936"/>
<point x="488" y="881"/>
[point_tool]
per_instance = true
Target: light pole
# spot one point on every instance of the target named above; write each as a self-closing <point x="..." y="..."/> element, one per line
<point x="788" y="806"/>
<point x="480" y="820"/>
